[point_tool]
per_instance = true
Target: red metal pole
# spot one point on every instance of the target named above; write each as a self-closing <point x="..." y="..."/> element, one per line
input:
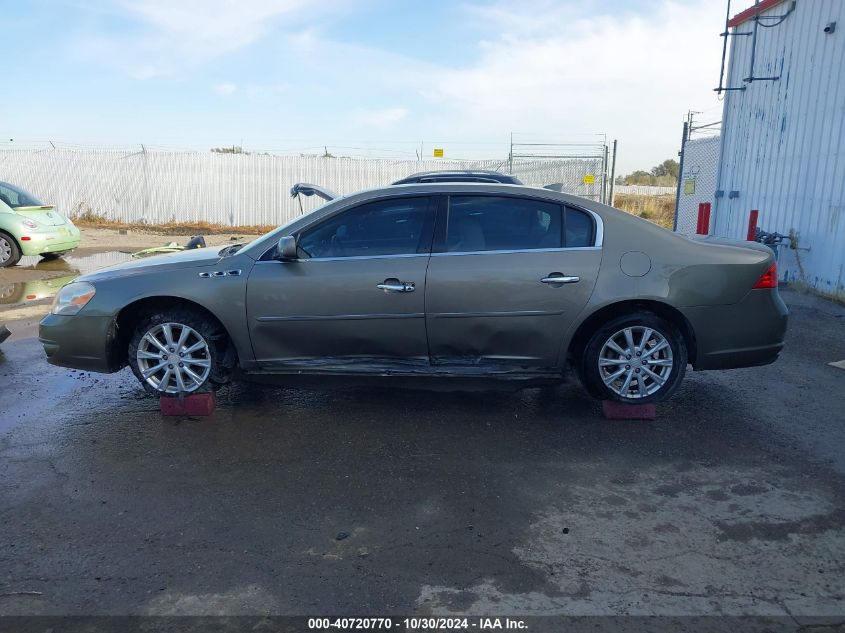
<point x="703" y="227"/>
<point x="752" y="225"/>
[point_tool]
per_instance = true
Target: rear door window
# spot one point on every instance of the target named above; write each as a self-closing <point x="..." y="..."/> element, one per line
<point x="498" y="223"/>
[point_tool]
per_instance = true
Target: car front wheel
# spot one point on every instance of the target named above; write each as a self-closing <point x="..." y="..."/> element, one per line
<point x="179" y="351"/>
<point x="637" y="358"/>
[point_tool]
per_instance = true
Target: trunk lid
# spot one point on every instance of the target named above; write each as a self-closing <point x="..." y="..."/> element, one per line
<point x="45" y="215"/>
<point x="724" y="241"/>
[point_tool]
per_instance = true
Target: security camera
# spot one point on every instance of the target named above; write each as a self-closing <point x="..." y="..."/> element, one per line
<point x="830" y="28"/>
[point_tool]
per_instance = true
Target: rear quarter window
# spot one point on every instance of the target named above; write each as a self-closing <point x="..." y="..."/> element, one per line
<point x="580" y="229"/>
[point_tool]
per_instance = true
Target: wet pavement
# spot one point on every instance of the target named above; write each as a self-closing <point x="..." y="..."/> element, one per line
<point x="387" y="500"/>
<point x="34" y="278"/>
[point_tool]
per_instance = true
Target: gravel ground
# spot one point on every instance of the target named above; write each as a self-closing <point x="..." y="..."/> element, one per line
<point x="393" y="500"/>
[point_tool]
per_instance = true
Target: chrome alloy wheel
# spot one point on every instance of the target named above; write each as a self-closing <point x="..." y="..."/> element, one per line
<point x="635" y="362"/>
<point x="5" y="249"/>
<point x="174" y="358"/>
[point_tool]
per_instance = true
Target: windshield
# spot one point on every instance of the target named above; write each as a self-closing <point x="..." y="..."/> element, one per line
<point x="16" y="197"/>
<point x="279" y="232"/>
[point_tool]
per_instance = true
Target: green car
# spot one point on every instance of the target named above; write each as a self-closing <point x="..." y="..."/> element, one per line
<point x="462" y="279"/>
<point x="30" y="227"/>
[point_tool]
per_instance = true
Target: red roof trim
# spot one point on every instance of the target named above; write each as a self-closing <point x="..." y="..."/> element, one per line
<point x="749" y="13"/>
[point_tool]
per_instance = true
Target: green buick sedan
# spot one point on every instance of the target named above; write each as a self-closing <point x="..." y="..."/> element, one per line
<point x="30" y="227"/>
<point x="441" y="280"/>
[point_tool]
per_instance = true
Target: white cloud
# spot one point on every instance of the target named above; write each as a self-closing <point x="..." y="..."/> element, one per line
<point x="170" y="35"/>
<point x="556" y="75"/>
<point x="226" y="88"/>
<point x="553" y="71"/>
<point x="381" y="118"/>
<point x="559" y="71"/>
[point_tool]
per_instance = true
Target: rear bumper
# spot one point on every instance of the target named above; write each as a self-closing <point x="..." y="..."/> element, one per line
<point x="51" y="241"/>
<point x="745" y="334"/>
<point x="79" y="342"/>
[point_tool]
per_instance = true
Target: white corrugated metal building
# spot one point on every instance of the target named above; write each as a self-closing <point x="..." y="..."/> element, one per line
<point x="783" y="135"/>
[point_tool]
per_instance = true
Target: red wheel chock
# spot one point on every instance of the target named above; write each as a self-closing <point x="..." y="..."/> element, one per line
<point x="621" y="411"/>
<point x="198" y="404"/>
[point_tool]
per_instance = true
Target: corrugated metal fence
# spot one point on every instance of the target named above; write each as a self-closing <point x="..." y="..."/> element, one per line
<point x="233" y="189"/>
<point x="783" y="136"/>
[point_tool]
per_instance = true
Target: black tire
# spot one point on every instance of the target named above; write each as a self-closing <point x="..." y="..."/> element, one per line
<point x="593" y="376"/>
<point x="10" y="252"/>
<point x="220" y="351"/>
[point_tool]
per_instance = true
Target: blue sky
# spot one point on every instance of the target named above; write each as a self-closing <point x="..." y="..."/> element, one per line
<point x="365" y="77"/>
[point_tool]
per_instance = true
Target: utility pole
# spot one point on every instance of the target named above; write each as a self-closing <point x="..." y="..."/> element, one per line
<point x="684" y="137"/>
<point x="510" y="157"/>
<point x="612" y="172"/>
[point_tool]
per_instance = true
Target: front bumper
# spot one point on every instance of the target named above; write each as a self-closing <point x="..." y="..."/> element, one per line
<point x="64" y="238"/>
<point x="745" y="334"/>
<point x="79" y="341"/>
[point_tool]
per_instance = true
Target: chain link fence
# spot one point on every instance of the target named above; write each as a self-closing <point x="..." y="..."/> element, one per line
<point x="235" y="189"/>
<point x="697" y="183"/>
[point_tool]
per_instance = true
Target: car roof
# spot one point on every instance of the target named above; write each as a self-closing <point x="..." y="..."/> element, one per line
<point x="428" y="188"/>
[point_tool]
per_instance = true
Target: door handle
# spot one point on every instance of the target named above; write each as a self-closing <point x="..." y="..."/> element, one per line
<point x="556" y="279"/>
<point x="394" y="285"/>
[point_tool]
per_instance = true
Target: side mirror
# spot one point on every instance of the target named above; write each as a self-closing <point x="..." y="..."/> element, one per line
<point x="286" y="248"/>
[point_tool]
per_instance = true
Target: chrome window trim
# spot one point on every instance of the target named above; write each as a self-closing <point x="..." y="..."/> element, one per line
<point x="344" y="317"/>
<point x="524" y="250"/>
<point x="344" y="259"/>
<point x="598" y="240"/>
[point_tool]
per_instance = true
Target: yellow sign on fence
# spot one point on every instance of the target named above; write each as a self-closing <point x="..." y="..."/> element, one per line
<point x="589" y="179"/>
<point x="438" y="152"/>
<point x="689" y="187"/>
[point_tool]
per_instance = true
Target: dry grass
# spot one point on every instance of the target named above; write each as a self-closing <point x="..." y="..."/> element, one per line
<point x="89" y="219"/>
<point x="658" y="209"/>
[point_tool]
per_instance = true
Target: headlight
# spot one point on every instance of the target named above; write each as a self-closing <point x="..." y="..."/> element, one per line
<point x="72" y="298"/>
<point x="29" y="224"/>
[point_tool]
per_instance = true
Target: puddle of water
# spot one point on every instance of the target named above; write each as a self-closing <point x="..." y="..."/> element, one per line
<point x="77" y="265"/>
<point x="27" y="291"/>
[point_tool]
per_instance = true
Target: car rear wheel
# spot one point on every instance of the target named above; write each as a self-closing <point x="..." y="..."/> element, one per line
<point x="179" y="351"/>
<point x="637" y="358"/>
<point x="10" y="252"/>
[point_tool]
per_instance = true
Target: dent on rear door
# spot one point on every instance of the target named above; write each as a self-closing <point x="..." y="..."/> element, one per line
<point x="494" y="309"/>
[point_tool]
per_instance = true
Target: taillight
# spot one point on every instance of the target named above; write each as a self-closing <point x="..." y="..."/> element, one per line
<point x="768" y="279"/>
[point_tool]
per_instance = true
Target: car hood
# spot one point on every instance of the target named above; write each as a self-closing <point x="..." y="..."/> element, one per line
<point x="158" y="263"/>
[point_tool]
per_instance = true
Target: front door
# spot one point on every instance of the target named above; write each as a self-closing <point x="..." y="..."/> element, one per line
<point x="510" y="275"/>
<point x="355" y="297"/>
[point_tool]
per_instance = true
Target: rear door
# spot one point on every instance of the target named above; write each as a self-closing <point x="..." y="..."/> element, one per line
<point x="508" y="275"/>
<point x="354" y="298"/>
